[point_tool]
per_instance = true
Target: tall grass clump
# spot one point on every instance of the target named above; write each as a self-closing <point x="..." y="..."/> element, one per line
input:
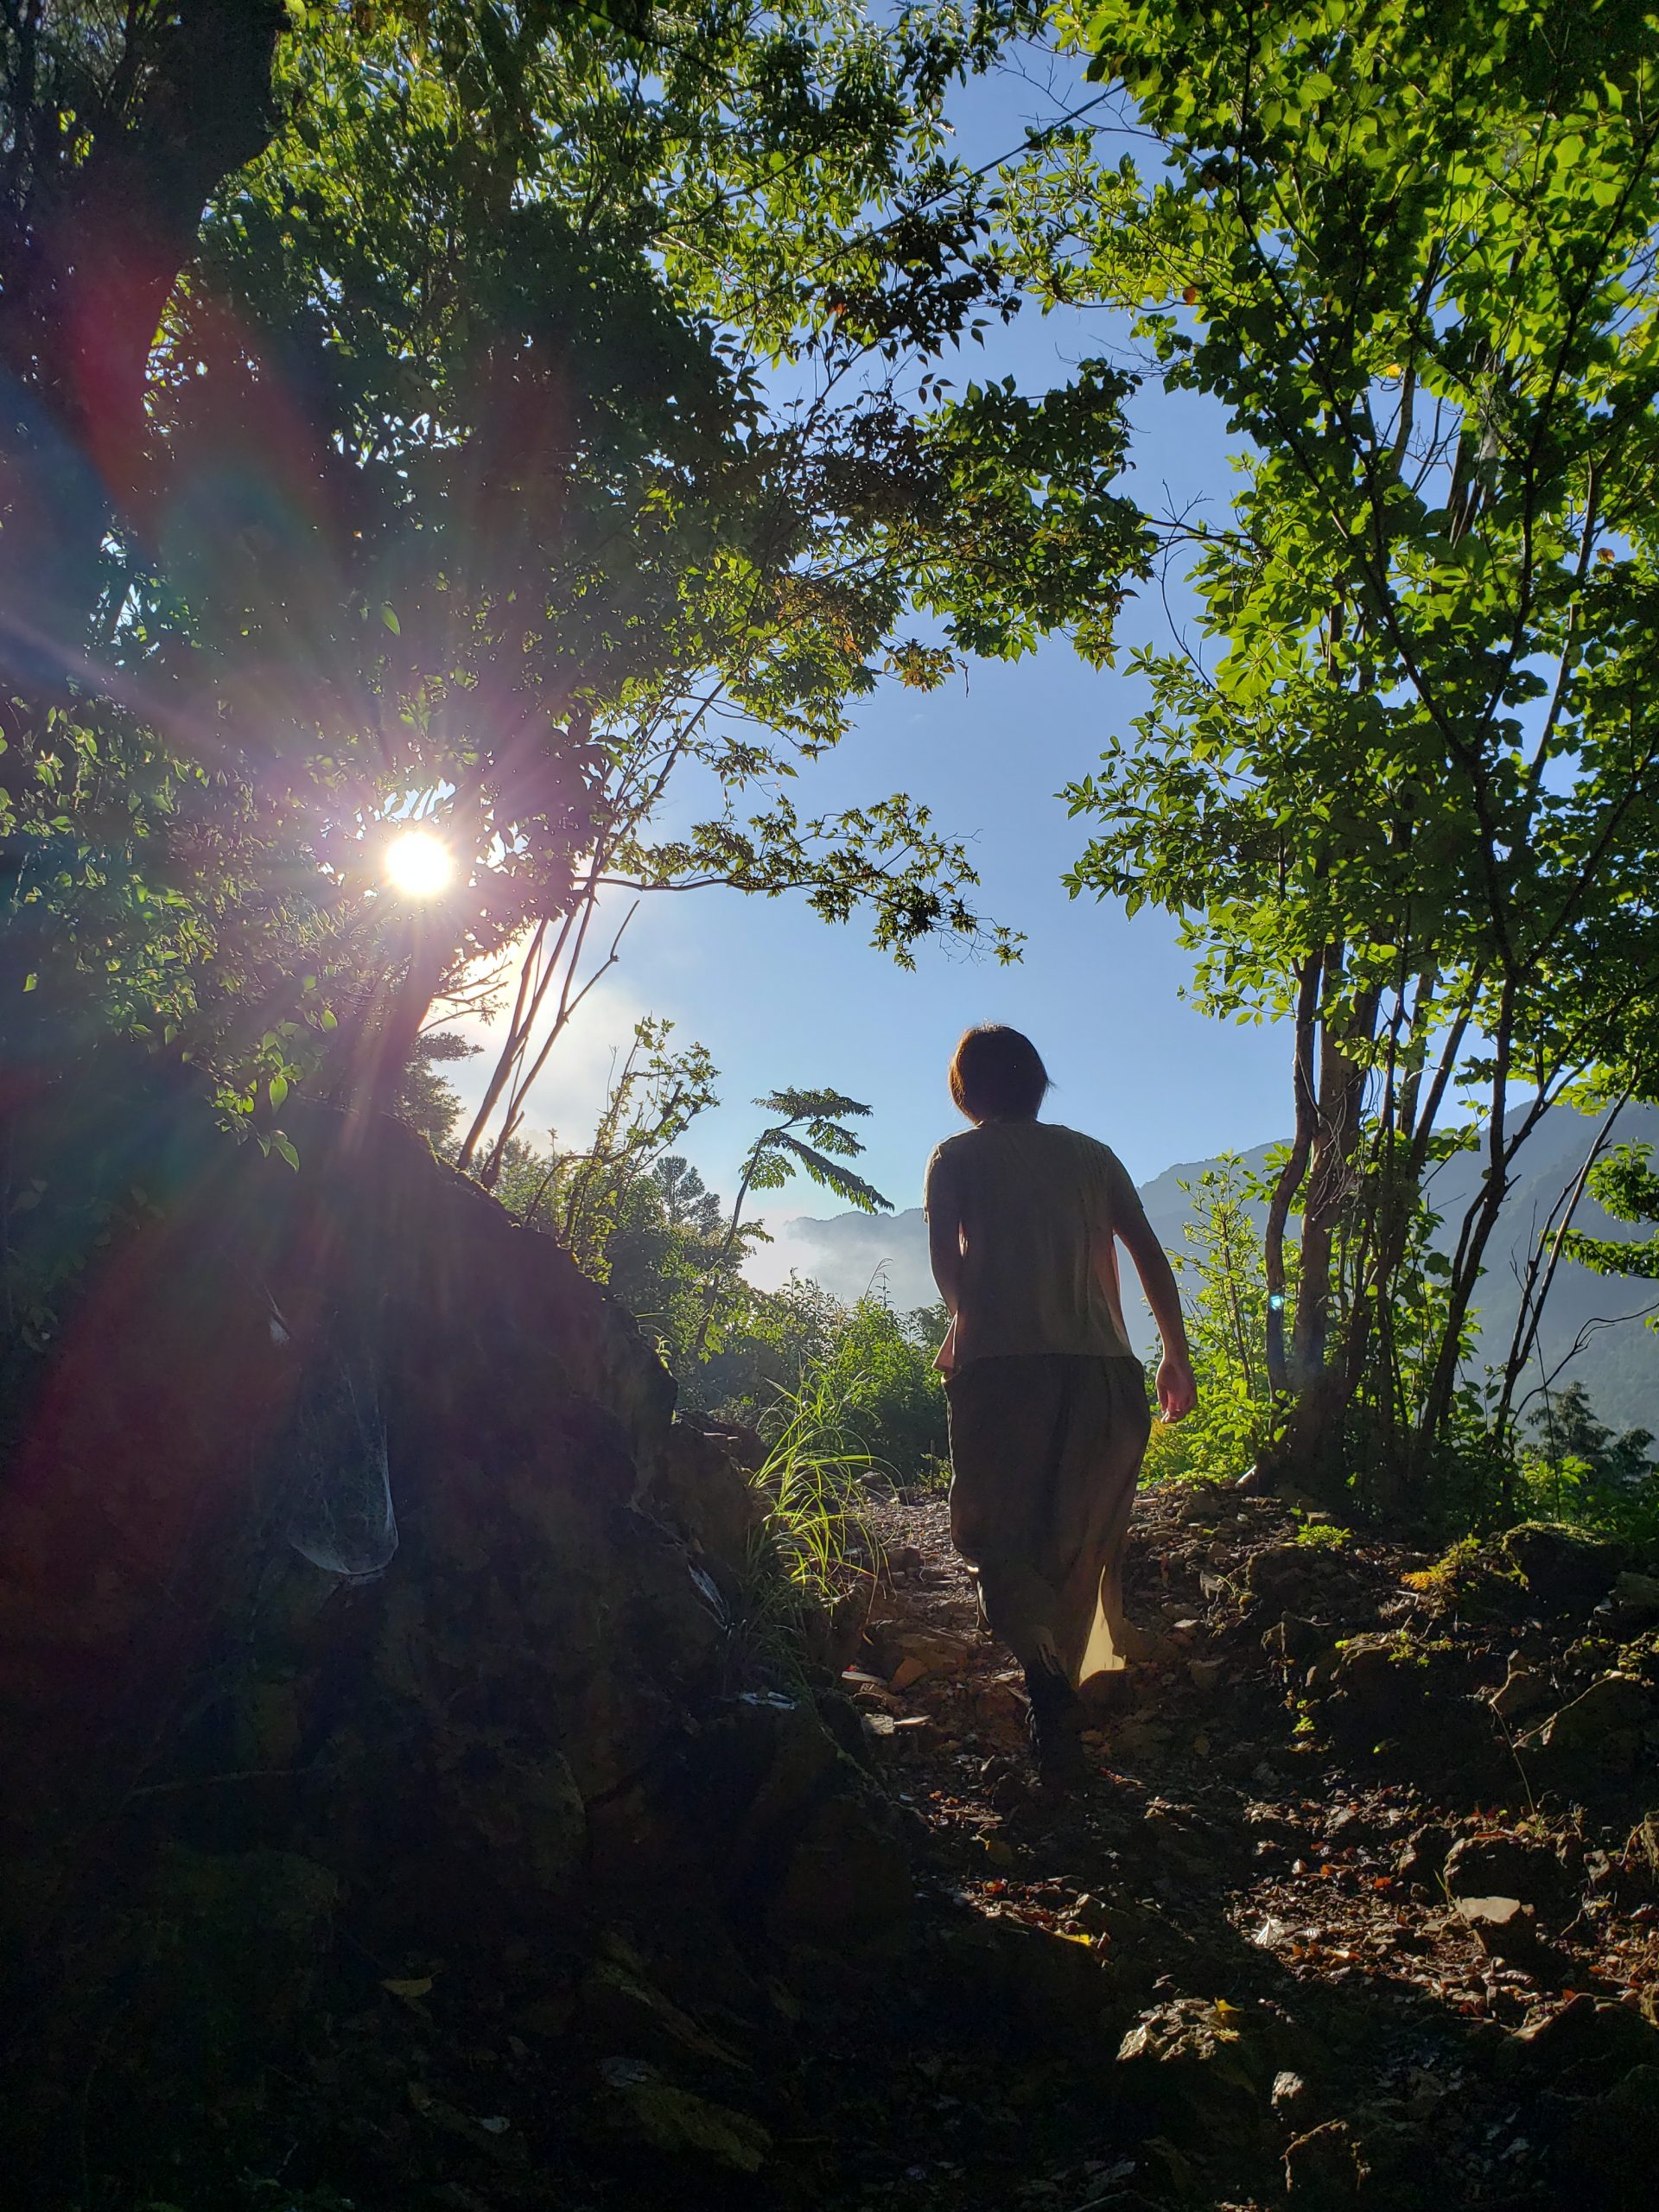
<point x="811" y="1562"/>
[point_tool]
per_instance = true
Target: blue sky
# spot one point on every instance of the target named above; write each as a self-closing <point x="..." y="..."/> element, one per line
<point x="779" y="998"/>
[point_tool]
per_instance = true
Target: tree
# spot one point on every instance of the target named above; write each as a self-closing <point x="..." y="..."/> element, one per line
<point x="1584" y="1470"/>
<point x="583" y="1197"/>
<point x="1626" y="1186"/>
<point x="1227" y="1301"/>
<point x="765" y="1345"/>
<point x="444" y="482"/>
<point x="1408" y="807"/>
<point x="1566" y="1427"/>
<point x="880" y="1371"/>
<point x="115" y="131"/>
<point x="635" y="1216"/>
<point x="425" y="1100"/>
<point x="686" y="1200"/>
<point x="778" y="1153"/>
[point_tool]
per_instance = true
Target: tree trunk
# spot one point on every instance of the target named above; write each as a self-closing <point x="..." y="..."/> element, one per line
<point x="512" y="1049"/>
<point x="88" y="258"/>
<point x="1290" y="1176"/>
<point x="391" y="1045"/>
<point x="1542" y="1264"/>
<point x="1320" y="1387"/>
<point x="1336" y="1133"/>
<point x="1477" y="1231"/>
<point x="711" y="1291"/>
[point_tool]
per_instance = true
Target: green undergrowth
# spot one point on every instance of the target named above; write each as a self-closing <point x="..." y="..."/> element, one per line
<point x="1322" y="1535"/>
<point x="814" y="1554"/>
<point x="1458" y="1572"/>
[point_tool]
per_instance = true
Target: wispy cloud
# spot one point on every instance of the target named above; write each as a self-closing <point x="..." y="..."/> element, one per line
<point x="569" y="1094"/>
<point x="850" y="1253"/>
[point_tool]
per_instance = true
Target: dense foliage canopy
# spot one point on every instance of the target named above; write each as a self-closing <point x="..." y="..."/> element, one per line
<point x="1404" y="797"/>
<point x="528" y="422"/>
<point x="533" y="413"/>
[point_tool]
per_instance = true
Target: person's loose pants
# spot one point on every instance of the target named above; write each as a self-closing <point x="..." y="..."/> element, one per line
<point x="1044" y="1452"/>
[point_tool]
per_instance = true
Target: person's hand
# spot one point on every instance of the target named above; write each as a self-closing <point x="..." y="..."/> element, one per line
<point x="1177" y="1391"/>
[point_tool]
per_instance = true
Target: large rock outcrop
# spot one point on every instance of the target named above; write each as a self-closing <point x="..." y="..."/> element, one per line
<point x="352" y="1563"/>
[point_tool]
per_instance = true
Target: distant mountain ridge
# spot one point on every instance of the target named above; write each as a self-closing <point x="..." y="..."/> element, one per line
<point x="1619" y="1368"/>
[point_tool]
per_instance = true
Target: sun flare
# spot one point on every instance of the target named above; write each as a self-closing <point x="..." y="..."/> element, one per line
<point x="418" y="864"/>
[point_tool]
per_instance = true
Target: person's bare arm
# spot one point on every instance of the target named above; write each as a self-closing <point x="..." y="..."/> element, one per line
<point x="1178" y="1393"/>
<point x="945" y="1255"/>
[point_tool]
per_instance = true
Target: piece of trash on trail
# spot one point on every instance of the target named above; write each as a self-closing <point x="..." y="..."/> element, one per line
<point x="409" y="1991"/>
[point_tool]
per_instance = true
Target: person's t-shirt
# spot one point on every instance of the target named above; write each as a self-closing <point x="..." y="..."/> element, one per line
<point x="1038" y="1206"/>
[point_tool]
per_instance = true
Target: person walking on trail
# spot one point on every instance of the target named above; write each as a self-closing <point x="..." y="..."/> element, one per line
<point x="1046" y="1402"/>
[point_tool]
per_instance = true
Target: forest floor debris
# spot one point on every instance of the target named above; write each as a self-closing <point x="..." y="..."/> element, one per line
<point x="1360" y="1904"/>
<point x="1349" y="1905"/>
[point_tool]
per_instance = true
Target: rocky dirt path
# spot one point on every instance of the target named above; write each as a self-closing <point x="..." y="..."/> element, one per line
<point x="1360" y="1906"/>
<point x="1361" y="1897"/>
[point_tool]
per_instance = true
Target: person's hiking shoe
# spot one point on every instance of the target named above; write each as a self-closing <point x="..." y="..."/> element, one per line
<point x="1052" y="1726"/>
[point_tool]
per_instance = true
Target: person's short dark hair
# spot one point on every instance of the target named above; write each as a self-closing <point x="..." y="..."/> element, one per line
<point x="998" y="1074"/>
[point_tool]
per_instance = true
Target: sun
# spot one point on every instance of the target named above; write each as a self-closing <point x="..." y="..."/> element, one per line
<point x="418" y="864"/>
